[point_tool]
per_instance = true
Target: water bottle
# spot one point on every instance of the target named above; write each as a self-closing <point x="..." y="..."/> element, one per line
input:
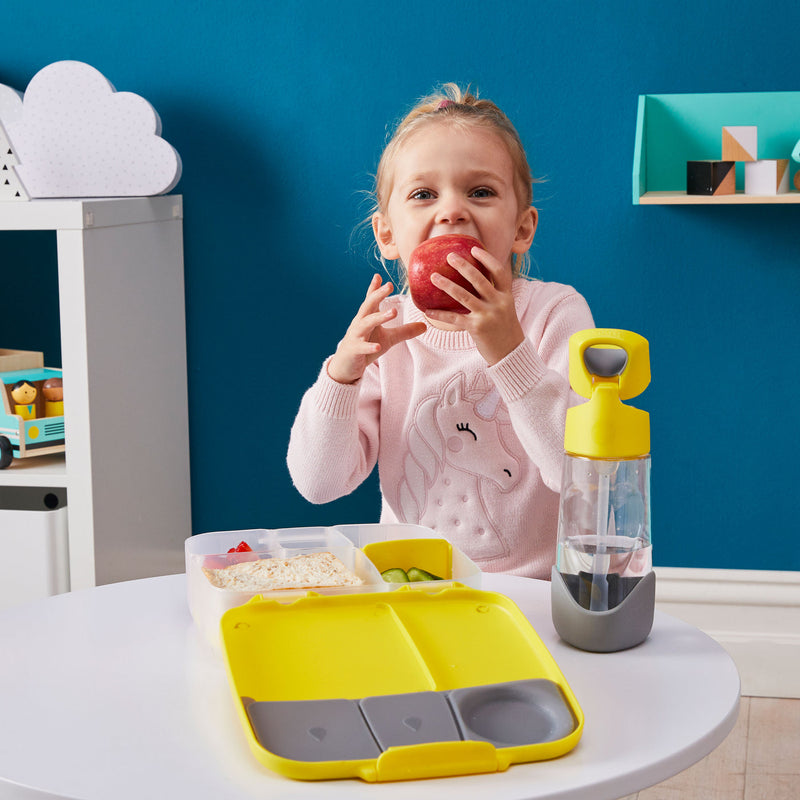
<point x="603" y="584"/>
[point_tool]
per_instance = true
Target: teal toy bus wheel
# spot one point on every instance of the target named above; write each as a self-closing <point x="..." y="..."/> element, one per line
<point x="6" y="453"/>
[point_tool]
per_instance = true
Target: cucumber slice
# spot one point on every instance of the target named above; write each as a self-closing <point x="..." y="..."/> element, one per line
<point x="395" y="575"/>
<point x="417" y="574"/>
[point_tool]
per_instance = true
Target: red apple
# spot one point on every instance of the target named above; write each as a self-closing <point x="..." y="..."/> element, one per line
<point x="430" y="257"/>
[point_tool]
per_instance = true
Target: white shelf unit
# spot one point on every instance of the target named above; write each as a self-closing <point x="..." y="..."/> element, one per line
<point x="123" y="348"/>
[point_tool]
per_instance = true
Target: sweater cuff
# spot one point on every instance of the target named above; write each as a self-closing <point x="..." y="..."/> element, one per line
<point x="334" y="399"/>
<point x="518" y="372"/>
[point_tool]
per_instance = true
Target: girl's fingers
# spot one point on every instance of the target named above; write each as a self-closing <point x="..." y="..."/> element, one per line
<point x="362" y="342"/>
<point x="376" y="294"/>
<point x="364" y="326"/>
<point x="481" y="283"/>
<point x="366" y="338"/>
<point x="500" y="275"/>
<point x="367" y="348"/>
<point x="458" y="293"/>
<point x="408" y="331"/>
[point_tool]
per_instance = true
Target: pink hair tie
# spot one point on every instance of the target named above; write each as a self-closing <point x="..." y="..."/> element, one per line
<point x="444" y="104"/>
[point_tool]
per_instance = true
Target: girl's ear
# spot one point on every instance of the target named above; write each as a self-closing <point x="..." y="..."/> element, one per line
<point x="384" y="236"/>
<point x="526" y="229"/>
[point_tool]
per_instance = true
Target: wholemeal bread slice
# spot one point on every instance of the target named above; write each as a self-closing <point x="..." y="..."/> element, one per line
<point x="308" y="571"/>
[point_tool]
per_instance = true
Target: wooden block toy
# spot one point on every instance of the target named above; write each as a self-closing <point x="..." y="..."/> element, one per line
<point x="24" y="394"/>
<point x="53" y="391"/>
<point x="711" y="177"/>
<point x="797" y="180"/>
<point x="796" y="151"/>
<point x="12" y="360"/>
<point x="766" y="176"/>
<point x="740" y="143"/>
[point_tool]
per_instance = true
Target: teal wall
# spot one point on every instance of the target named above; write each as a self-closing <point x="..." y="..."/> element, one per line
<point x="279" y="111"/>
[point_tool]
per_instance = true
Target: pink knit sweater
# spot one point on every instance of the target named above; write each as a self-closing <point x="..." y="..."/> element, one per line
<point x="471" y="451"/>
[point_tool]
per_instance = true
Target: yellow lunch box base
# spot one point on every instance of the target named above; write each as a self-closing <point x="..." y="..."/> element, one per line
<point x="396" y="686"/>
<point x="410" y="763"/>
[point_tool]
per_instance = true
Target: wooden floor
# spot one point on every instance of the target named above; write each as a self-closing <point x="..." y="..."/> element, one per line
<point x="760" y="759"/>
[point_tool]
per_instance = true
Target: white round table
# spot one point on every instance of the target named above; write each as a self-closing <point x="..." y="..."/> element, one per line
<point x="113" y="693"/>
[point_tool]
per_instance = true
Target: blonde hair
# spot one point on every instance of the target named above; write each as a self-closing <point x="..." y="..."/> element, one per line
<point x="454" y="106"/>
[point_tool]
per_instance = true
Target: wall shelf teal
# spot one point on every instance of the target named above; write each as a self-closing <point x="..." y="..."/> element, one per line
<point x="672" y="129"/>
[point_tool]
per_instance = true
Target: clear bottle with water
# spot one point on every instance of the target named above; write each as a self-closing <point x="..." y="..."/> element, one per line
<point x="604" y="545"/>
<point x="603" y="585"/>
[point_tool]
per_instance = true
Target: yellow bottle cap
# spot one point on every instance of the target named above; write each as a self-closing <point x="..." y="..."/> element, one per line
<point x="607" y="366"/>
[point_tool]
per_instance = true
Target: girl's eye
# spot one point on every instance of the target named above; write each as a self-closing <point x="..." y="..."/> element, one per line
<point x="482" y="191"/>
<point x="422" y="194"/>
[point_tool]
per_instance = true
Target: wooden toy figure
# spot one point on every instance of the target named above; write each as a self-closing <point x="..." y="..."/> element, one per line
<point x="23" y="393"/>
<point x="53" y="391"/>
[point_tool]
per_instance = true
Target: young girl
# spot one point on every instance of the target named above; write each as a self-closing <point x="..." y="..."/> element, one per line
<point x="463" y="413"/>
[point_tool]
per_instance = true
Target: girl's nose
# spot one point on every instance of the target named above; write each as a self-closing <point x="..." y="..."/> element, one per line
<point x="451" y="210"/>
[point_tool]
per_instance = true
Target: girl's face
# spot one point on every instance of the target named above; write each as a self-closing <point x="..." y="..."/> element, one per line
<point x="453" y="179"/>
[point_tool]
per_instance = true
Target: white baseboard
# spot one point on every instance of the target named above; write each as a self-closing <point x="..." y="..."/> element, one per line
<point x="753" y="614"/>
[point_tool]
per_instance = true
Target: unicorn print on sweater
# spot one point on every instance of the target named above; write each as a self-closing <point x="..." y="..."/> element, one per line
<point x="459" y="454"/>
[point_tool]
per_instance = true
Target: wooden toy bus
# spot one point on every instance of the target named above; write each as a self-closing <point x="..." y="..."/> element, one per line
<point x="32" y="414"/>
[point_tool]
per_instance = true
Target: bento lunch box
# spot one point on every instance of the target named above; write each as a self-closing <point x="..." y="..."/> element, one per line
<point x="396" y="685"/>
<point x="366" y="550"/>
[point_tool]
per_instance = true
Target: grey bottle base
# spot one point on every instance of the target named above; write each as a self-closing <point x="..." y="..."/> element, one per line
<point x="622" y="627"/>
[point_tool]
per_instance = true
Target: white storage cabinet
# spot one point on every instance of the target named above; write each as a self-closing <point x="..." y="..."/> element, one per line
<point x="125" y="473"/>
<point x="33" y="543"/>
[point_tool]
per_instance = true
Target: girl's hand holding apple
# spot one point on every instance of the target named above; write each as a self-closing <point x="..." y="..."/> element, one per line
<point x="492" y="319"/>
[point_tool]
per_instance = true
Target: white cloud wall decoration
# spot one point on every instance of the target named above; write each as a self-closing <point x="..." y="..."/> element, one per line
<point x="76" y="136"/>
<point x="10" y="104"/>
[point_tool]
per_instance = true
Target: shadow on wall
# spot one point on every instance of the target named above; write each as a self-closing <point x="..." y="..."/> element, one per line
<point x="767" y="229"/>
<point x="224" y="169"/>
<point x="29" y="315"/>
<point x="258" y="322"/>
